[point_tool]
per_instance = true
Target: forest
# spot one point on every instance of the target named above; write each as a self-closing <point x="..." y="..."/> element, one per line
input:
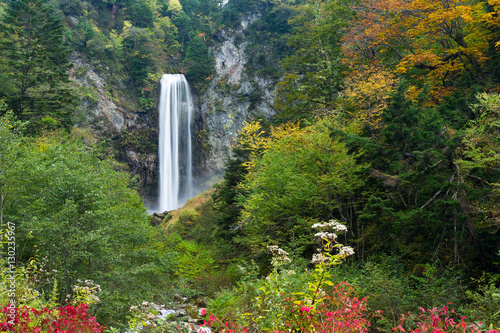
<point x="370" y="201"/>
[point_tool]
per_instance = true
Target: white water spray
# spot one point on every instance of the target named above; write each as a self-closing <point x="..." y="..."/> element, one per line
<point x="176" y="111"/>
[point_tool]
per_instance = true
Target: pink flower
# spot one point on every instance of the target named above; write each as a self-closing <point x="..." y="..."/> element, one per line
<point x="203" y="312"/>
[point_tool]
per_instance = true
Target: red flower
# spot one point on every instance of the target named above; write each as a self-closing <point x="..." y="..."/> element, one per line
<point x="305" y="309"/>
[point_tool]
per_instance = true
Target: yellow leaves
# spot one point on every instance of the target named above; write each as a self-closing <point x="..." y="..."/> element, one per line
<point x="42" y="144"/>
<point x="367" y="94"/>
<point x="251" y="138"/>
<point x="402" y="67"/>
<point x="126" y="26"/>
<point x="412" y="93"/>
<point x="431" y="36"/>
<point x="283" y="130"/>
<point x="175" y="7"/>
<point x="493" y="16"/>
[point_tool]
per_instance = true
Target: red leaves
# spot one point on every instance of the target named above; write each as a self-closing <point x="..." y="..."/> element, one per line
<point x="437" y="320"/>
<point x="340" y="311"/>
<point x="61" y="320"/>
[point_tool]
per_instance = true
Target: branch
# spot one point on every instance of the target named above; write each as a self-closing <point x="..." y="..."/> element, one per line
<point x="430" y="200"/>
<point x="480" y="179"/>
<point x="431" y="166"/>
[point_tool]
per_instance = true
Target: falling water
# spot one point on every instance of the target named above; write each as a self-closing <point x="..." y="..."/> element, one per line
<point x="176" y="110"/>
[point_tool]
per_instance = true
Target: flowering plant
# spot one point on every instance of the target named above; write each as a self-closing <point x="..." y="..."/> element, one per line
<point x="61" y="320"/>
<point x="438" y="320"/>
<point x="311" y="302"/>
<point x="340" y="311"/>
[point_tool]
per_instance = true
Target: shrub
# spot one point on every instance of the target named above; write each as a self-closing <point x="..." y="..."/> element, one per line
<point x="438" y="320"/>
<point x="291" y="300"/>
<point x="63" y="319"/>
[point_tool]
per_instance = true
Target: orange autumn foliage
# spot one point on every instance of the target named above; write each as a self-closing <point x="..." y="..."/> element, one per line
<point x="434" y="41"/>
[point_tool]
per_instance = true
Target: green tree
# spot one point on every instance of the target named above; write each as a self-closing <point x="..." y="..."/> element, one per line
<point x="419" y="206"/>
<point x="35" y="84"/>
<point x="303" y="176"/>
<point x="479" y="161"/>
<point x="314" y="72"/>
<point x="198" y="63"/>
<point x="10" y="140"/>
<point x="78" y="216"/>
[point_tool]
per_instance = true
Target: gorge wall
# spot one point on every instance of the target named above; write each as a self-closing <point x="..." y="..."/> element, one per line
<point x="233" y="96"/>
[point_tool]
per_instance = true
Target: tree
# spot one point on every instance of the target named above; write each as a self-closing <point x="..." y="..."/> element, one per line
<point x="76" y="214"/>
<point x="436" y="42"/>
<point x="36" y="62"/>
<point x="303" y="176"/>
<point x="10" y="140"/>
<point x="198" y="64"/>
<point x="419" y="206"/>
<point x="367" y="94"/>
<point x="314" y="72"/>
<point x="480" y="156"/>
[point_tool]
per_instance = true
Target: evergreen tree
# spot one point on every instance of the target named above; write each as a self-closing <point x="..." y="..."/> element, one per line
<point x="35" y="80"/>
<point x="198" y="63"/>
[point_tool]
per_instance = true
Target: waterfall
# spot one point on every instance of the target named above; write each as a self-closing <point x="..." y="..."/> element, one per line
<point x="176" y="110"/>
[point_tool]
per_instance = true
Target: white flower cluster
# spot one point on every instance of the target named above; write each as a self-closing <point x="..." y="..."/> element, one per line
<point x="276" y="250"/>
<point x="319" y="258"/>
<point x="324" y="255"/>
<point x="279" y="255"/>
<point x="346" y="251"/>
<point x="326" y="235"/>
<point x="89" y="286"/>
<point x="335" y="225"/>
<point x="89" y="291"/>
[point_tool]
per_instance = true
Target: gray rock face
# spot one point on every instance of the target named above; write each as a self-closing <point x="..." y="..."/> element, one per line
<point x="233" y="96"/>
<point x="104" y="110"/>
<point x="117" y="123"/>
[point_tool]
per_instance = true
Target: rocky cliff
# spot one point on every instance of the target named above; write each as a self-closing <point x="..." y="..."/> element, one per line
<point x="233" y="96"/>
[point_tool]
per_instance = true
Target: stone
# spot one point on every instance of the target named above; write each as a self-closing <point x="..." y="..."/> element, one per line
<point x="201" y="302"/>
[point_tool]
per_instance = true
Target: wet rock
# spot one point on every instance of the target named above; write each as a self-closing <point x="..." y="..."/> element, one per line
<point x="155" y="221"/>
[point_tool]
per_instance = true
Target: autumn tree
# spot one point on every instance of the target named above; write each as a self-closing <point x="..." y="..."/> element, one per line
<point x="35" y="84"/>
<point x="439" y="42"/>
<point x="366" y="94"/>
